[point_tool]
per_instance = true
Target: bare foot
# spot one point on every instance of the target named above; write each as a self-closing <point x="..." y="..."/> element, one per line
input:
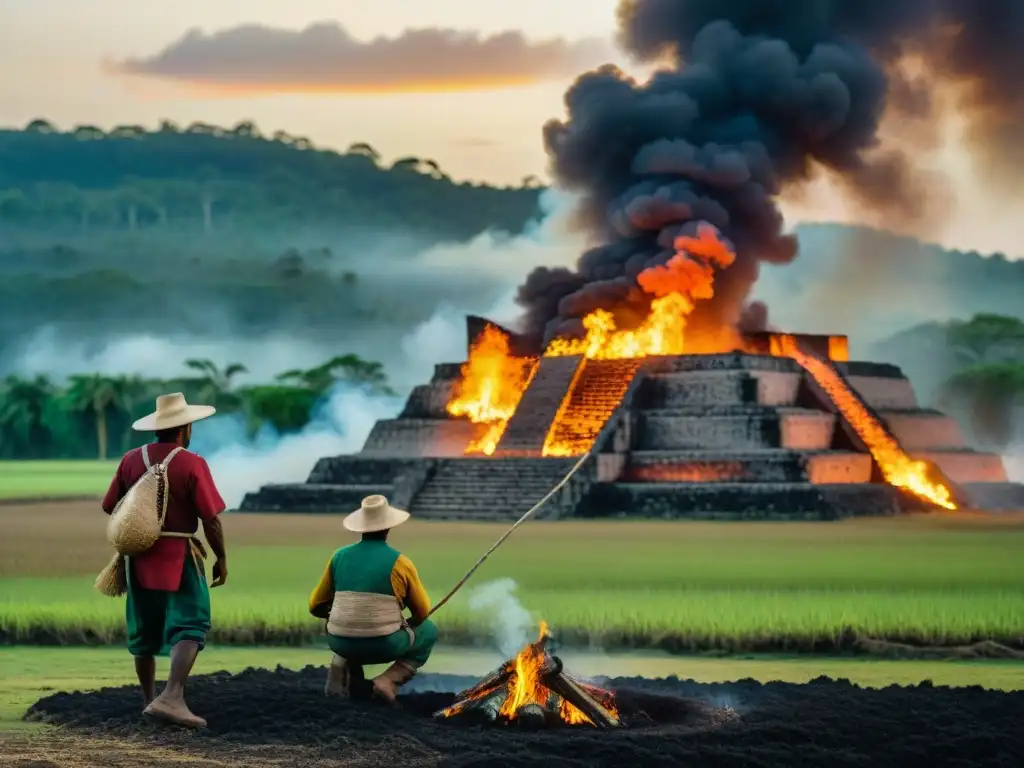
<point x="176" y="712"/>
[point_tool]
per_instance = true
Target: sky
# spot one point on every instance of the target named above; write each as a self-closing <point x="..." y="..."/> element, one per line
<point x="464" y="82"/>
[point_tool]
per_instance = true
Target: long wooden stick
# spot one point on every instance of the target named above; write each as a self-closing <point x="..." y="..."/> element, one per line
<point x="516" y="524"/>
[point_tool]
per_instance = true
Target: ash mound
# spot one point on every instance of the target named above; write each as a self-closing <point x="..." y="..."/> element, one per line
<point x="669" y="722"/>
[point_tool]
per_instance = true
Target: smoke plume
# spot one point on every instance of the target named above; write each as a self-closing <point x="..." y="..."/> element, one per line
<point x="511" y="624"/>
<point x="760" y="98"/>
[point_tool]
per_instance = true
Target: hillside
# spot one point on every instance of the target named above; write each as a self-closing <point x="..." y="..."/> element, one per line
<point x="208" y="179"/>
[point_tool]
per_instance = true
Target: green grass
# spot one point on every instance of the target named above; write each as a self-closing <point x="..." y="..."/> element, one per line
<point x="30" y="673"/>
<point x="678" y="586"/>
<point x="54" y="479"/>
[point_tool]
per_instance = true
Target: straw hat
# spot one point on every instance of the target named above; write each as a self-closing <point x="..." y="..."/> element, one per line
<point x="172" y="411"/>
<point x="375" y="515"/>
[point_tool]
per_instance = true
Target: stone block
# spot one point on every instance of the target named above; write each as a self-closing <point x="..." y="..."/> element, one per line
<point x="419" y="437"/>
<point x="734" y="428"/>
<point x="884" y="393"/>
<point x="837" y="467"/>
<point x="967" y="466"/>
<point x="923" y="430"/>
<point x="310" y="498"/>
<point x="529" y="425"/>
<point x="761" y="501"/>
<point x="806" y="430"/>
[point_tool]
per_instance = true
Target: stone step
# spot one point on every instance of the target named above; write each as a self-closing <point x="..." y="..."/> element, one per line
<point x="419" y="437"/>
<point x="596" y="392"/>
<point x="740" y="500"/>
<point x="967" y="466"/>
<point x="524" y="435"/>
<point x="311" y="497"/>
<point x="493" y="488"/>
<point x="770" y="465"/>
<point x="710" y="388"/>
<point x="922" y="429"/>
<point x="735" y="428"/>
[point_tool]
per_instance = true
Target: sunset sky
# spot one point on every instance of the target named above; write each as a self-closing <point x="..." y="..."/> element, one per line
<point x="385" y="72"/>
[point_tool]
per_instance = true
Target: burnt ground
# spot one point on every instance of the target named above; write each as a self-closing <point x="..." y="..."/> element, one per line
<point x="281" y="718"/>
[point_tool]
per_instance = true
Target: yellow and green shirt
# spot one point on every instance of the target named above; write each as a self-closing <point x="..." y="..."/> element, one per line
<point x="371" y="566"/>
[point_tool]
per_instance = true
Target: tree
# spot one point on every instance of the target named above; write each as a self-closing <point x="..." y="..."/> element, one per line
<point x="350" y="369"/>
<point x="408" y="163"/>
<point x="97" y="396"/>
<point x="40" y="126"/>
<point x="216" y="384"/>
<point x="365" y="150"/>
<point x="991" y="391"/>
<point x="22" y="407"/>
<point x="985" y="337"/>
<point x="128" y="132"/>
<point x="210" y="188"/>
<point x="246" y="129"/>
<point x="88" y="133"/>
<point x="286" y="408"/>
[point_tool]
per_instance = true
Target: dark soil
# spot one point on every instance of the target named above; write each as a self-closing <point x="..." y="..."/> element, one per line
<point x="669" y="723"/>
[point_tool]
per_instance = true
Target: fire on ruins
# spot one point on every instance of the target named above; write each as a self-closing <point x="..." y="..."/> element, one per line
<point x="675" y="420"/>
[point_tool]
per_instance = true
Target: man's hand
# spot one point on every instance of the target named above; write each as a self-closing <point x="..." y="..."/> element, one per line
<point x="220" y="572"/>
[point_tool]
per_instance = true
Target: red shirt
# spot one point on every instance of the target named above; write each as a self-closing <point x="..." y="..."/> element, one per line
<point x="193" y="497"/>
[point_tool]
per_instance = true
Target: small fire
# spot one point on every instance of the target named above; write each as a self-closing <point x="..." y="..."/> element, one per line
<point x="490" y="388"/>
<point x="683" y="280"/>
<point x="898" y="468"/>
<point x="525" y="686"/>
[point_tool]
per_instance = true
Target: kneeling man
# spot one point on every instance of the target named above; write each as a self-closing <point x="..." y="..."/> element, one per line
<point x="362" y="594"/>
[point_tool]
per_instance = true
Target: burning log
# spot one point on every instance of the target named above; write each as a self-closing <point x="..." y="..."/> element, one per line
<point x="577" y="696"/>
<point x="533" y="691"/>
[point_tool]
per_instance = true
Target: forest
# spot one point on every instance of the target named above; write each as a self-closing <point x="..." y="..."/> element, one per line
<point x="90" y="415"/>
<point x="206" y="229"/>
<point x="206" y="179"/>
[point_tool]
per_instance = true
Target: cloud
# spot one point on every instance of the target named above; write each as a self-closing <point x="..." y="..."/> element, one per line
<point x="325" y="57"/>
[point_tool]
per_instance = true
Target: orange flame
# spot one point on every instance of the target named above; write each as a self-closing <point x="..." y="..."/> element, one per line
<point x="490" y="388"/>
<point x="683" y="280"/>
<point x="525" y="686"/>
<point x="897" y="467"/>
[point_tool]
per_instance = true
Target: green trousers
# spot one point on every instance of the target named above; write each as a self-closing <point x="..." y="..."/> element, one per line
<point x="384" y="650"/>
<point x="159" y="620"/>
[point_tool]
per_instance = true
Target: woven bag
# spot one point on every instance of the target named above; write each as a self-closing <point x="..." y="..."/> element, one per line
<point x="138" y="519"/>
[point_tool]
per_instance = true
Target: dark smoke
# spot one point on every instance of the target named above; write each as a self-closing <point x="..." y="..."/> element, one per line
<point x="759" y="97"/>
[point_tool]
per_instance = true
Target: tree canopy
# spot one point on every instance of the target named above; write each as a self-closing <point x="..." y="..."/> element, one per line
<point x="208" y="179"/>
<point x="90" y="415"/>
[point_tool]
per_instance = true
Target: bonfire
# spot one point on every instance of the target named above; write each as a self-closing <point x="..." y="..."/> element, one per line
<point x="533" y="690"/>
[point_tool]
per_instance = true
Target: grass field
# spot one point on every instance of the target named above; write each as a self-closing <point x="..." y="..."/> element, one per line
<point x="680" y="586"/>
<point x="54" y="479"/>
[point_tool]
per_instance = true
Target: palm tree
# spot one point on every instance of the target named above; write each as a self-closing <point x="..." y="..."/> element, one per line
<point x="22" y="405"/>
<point x="96" y="395"/>
<point x="351" y="369"/>
<point x="216" y="384"/>
<point x="134" y="390"/>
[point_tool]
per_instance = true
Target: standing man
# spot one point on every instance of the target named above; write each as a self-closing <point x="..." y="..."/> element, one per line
<point x="362" y="594"/>
<point x="168" y="603"/>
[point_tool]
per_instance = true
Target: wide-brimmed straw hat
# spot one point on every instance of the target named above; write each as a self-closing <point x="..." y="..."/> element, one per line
<point x="172" y="411"/>
<point x="376" y="514"/>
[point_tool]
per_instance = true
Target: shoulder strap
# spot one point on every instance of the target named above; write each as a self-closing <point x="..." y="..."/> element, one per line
<point x="166" y="462"/>
<point x="145" y="457"/>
